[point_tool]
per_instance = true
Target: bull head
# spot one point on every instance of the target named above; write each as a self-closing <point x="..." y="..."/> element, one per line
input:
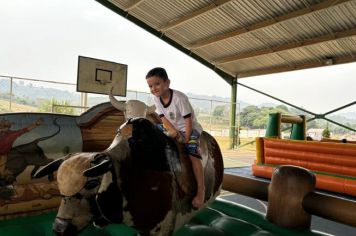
<point x="80" y="178"/>
<point x="132" y="108"/>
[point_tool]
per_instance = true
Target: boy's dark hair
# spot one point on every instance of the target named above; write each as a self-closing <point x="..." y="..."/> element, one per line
<point x="159" y="72"/>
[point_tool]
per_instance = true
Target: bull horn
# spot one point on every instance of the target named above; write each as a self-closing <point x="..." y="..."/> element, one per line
<point x="115" y="103"/>
<point x="103" y="165"/>
<point x="48" y="169"/>
<point x="151" y="109"/>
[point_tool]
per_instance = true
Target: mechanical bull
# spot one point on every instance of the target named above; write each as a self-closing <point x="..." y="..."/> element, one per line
<point x="144" y="180"/>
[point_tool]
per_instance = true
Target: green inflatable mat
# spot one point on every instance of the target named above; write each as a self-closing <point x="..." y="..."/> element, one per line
<point x="221" y="218"/>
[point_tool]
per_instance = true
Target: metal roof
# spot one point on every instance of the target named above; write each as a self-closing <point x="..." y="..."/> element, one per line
<point x="241" y="38"/>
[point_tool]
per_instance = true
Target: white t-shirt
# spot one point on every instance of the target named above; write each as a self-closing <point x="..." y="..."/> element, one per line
<point x="176" y="110"/>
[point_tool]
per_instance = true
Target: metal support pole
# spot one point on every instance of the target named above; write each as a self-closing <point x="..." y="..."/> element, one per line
<point x="84" y="101"/>
<point x="210" y="115"/>
<point x="10" y="106"/>
<point x="232" y="133"/>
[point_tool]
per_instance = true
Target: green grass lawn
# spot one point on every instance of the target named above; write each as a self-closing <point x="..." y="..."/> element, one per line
<point x="224" y="143"/>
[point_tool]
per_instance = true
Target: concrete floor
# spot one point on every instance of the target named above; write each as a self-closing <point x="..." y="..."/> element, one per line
<point x="236" y="158"/>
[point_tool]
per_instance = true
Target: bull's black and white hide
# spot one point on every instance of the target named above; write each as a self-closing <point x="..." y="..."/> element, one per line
<point x="144" y="179"/>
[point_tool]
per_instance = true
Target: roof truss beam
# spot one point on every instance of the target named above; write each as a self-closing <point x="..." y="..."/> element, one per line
<point x="134" y="4"/>
<point x="310" y="9"/>
<point x="288" y="46"/>
<point x="174" y="23"/>
<point x="335" y="61"/>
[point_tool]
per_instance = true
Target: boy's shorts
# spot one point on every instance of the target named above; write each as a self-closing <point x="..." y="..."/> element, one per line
<point x="192" y="147"/>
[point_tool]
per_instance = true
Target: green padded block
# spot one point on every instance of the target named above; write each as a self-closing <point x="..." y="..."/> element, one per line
<point x="120" y="230"/>
<point x="263" y="233"/>
<point x="198" y="230"/>
<point x="19" y="230"/>
<point x="247" y="214"/>
<point x="232" y="226"/>
<point x="206" y="215"/>
<point x="41" y="225"/>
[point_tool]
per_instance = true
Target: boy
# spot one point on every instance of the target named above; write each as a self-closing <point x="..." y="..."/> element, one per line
<point x="177" y="115"/>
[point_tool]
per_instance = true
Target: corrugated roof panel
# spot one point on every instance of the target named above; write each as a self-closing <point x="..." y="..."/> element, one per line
<point x="205" y="26"/>
<point x="123" y="4"/>
<point x="231" y="46"/>
<point x="277" y="8"/>
<point x="248" y="31"/>
<point x="325" y="50"/>
<point x="331" y="49"/>
<point x="160" y="13"/>
<point x="255" y="63"/>
<point x="232" y="16"/>
<point x="145" y="17"/>
<point x="348" y="45"/>
<point x="273" y="36"/>
<point x="298" y="56"/>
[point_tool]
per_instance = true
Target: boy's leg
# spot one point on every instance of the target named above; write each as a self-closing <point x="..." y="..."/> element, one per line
<point x="192" y="149"/>
<point x="199" y="198"/>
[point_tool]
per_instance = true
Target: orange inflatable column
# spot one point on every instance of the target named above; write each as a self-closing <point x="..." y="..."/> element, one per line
<point x="259" y="151"/>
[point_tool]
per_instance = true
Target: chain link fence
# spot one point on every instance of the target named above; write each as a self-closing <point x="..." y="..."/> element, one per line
<point x="31" y="95"/>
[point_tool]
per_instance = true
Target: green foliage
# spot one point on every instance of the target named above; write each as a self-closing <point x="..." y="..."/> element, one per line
<point x="326" y="132"/>
<point x="219" y="111"/>
<point x="56" y="106"/>
<point x="254" y="117"/>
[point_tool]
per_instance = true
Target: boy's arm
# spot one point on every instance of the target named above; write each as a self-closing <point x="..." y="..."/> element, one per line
<point x="188" y="128"/>
<point x="170" y="128"/>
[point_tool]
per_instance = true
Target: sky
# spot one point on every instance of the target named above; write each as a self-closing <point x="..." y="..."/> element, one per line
<point x="42" y="39"/>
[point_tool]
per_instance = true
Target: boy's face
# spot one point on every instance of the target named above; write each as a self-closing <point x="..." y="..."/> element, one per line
<point x="158" y="86"/>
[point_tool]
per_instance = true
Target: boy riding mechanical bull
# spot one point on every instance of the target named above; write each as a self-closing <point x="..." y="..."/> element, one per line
<point x="144" y="179"/>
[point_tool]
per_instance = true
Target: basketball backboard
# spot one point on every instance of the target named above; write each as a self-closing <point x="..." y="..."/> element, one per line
<point x="99" y="76"/>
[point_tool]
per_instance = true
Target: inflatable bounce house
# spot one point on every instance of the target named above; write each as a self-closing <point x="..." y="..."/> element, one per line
<point x="333" y="163"/>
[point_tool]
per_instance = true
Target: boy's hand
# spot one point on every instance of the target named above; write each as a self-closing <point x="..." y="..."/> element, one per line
<point x="172" y="133"/>
<point x="176" y="135"/>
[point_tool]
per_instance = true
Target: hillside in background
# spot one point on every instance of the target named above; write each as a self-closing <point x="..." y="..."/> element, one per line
<point x="31" y="91"/>
<point x="30" y="97"/>
<point x="30" y="94"/>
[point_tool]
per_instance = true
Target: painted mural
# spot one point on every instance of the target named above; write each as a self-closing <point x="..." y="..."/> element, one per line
<point x="27" y="142"/>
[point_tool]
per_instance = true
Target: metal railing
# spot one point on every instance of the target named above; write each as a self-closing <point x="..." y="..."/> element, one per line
<point x="25" y="94"/>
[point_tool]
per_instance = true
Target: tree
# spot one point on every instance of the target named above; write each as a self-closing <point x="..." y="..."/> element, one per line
<point x="219" y="111"/>
<point x="248" y="115"/>
<point x="64" y="107"/>
<point x="326" y="132"/>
